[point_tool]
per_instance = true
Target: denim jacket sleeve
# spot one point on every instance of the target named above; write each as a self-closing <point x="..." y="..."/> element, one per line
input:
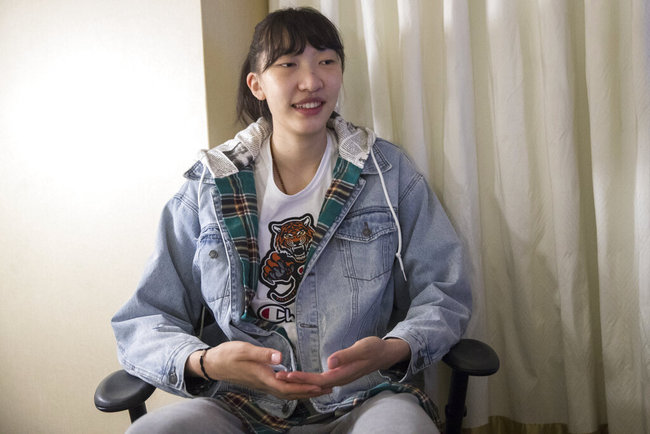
<point x="155" y="328"/>
<point x="437" y="296"/>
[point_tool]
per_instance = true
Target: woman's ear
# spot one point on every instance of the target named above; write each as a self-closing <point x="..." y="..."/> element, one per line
<point x="253" y="82"/>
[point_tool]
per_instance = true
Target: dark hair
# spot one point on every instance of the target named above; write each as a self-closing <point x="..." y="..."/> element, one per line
<point x="285" y="31"/>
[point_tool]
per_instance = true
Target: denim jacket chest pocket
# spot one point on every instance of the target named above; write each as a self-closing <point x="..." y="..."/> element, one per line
<point x="211" y="264"/>
<point x="365" y="239"/>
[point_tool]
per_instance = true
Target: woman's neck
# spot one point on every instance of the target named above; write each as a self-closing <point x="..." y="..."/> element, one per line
<point x="296" y="160"/>
<point x="291" y="149"/>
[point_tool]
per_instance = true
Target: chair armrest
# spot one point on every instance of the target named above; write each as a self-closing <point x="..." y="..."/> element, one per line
<point x="467" y="357"/>
<point x="121" y="391"/>
<point x="472" y="357"/>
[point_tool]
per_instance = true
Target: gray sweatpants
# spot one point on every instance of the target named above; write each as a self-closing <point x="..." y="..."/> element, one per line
<point x="387" y="412"/>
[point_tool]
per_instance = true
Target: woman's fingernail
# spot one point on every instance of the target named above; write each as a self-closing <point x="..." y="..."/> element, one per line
<point x="276" y="358"/>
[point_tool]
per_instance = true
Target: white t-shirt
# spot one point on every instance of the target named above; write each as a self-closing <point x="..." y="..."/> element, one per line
<point x="286" y="228"/>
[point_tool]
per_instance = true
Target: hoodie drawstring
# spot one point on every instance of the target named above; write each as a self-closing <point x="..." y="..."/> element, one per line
<point x="205" y="169"/>
<point x="398" y="254"/>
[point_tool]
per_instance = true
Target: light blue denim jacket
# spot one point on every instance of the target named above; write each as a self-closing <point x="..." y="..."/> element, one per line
<point x="352" y="287"/>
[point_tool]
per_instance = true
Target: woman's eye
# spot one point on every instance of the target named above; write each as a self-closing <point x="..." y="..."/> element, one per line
<point x="328" y="62"/>
<point x="286" y="64"/>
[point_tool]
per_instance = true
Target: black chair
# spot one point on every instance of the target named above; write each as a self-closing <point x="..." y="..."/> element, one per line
<point x="121" y="391"/>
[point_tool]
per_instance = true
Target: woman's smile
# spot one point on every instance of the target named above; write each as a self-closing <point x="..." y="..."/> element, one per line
<point x="310" y="107"/>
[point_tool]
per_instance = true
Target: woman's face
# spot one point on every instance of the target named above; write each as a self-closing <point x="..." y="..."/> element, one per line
<point x="301" y="91"/>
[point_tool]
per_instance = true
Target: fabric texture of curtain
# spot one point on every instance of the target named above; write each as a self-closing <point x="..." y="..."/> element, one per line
<point x="531" y="120"/>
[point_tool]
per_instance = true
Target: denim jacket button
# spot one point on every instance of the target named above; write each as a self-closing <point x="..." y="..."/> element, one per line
<point x="213" y="254"/>
<point x="366" y="230"/>
<point x="173" y="378"/>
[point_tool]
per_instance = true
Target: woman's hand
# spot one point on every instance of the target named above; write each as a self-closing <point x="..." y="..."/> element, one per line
<point x="365" y="356"/>
<point x="250" y="366"/>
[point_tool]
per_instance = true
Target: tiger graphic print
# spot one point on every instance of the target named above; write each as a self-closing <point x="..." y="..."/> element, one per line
<point x="283" y="266"/>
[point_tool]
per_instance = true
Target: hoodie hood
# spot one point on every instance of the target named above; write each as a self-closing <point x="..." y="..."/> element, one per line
<point x="354" y="144"/>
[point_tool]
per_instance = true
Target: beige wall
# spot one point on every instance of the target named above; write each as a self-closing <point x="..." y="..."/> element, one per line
<point x="102" y="107"/>
<point x="227" y="30"/>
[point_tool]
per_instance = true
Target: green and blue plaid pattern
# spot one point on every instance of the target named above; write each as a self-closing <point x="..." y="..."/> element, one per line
<point x="344" y="177"/>
<point x="239" y="208"/>
<point x="258" y="421"/>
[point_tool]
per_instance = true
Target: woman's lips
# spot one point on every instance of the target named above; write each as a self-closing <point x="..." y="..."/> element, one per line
<point x="309" y="107"/>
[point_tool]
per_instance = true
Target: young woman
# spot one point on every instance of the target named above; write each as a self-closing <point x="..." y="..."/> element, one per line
<point x="305" y="273"/>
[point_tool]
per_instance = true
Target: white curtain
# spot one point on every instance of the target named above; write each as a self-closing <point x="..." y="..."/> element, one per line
<point x="531" y="120"/>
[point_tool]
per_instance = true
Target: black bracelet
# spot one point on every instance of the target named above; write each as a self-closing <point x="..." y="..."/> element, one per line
<point x="205" y="374"/>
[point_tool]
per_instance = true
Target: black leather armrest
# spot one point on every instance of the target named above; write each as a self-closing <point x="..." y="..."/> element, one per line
<point x="121" y="391"/>
<point x="472" y="357"/>
<point x="467" y="357"/>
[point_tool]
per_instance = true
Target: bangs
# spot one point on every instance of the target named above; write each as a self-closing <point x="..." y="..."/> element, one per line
<point x="290" y="32"/>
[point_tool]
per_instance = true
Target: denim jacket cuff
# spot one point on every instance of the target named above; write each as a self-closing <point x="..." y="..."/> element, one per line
<point x="419" y="358"/>
<point x="189" y="387"/>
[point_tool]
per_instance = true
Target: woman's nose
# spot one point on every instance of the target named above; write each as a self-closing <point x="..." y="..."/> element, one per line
<point x="309" y="80"/>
